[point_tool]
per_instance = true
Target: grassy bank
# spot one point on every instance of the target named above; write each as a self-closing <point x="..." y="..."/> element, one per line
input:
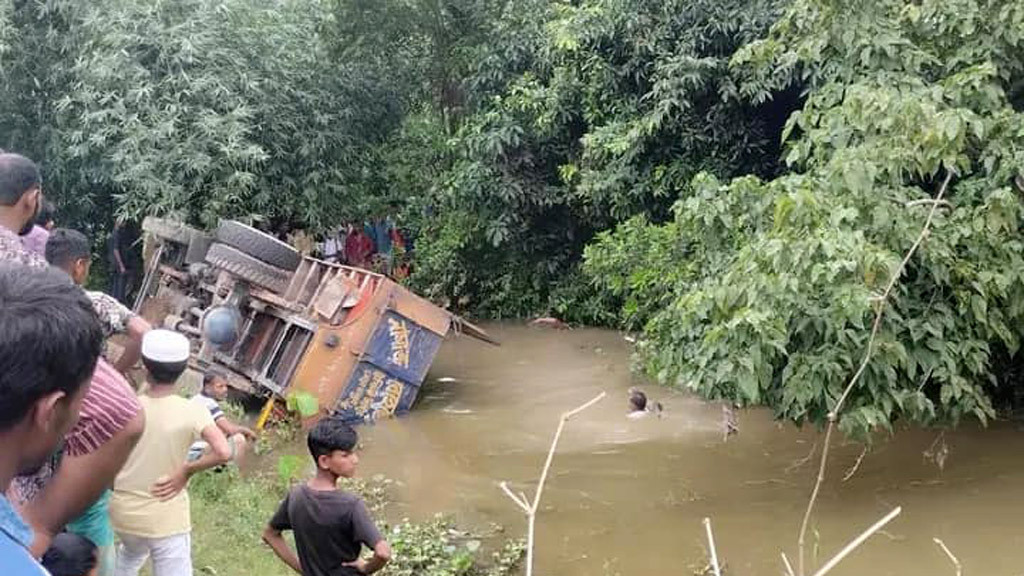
<point x="229" y="513"/>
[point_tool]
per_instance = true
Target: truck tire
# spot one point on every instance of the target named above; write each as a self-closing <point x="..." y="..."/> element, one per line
<point x="248" y="268"/>
<point x="259" y="245"/>
<point x="168" y="230"/>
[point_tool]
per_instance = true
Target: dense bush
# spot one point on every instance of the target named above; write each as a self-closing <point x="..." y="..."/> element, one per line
<point x="201" y="108"/>
<point x="586" y="114"/>
<point x="763" y="291"/>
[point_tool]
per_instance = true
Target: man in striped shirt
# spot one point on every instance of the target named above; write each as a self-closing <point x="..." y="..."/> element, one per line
<point x="111" y="419"/>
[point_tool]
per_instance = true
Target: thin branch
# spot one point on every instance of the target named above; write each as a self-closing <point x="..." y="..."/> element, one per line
<point x="952" y="558"/>
<point x="798" y="463"/>
<point x="554" y="443"/>
<point x="789" y="567"/>
<point x="888" y="291"/>
<point x="926" y="201"/>
<point x="931" y="447"/>
<point x="857" y="542"/>
<point x="571" y="413"/>
<point x="520" y="502"/>
<point x="711" y="547"/>
<point x="814" y="495"/>
<point x="833" y="415"/>
<point x="856" y="465"/>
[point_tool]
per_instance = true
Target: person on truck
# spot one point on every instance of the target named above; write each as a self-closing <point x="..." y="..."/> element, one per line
<point x="215" y="391"/>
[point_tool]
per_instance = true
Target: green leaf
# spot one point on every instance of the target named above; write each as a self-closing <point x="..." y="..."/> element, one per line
<point x="303" y="403"/>
<point x="289" y="467"/>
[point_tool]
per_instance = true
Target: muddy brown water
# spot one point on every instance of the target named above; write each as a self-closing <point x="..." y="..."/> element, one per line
<point x="628" y="497"/>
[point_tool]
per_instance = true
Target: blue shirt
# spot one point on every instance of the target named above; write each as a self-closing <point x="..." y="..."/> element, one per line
<point x="15" y="537"/>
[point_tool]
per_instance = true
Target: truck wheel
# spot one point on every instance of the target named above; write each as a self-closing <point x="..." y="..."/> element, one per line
<point x="259" y="245"/>
<point x="247" y="268"/>
<point x="169" y="230"/>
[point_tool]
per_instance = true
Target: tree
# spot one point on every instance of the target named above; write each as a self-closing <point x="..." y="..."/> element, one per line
<point x="585" y="114"/>
<point x="202" y="108"/>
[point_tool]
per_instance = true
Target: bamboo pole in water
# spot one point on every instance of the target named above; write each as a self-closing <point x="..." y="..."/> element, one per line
<point x="530" y="509"/>
<point x="857" y="542"/>
<point x="711" y="547"/>
<point x="949" y="554"/>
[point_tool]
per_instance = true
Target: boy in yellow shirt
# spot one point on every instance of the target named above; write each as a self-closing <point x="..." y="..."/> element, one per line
<point x="150" y="506"/>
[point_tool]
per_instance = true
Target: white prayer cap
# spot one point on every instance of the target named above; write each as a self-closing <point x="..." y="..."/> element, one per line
<point x="165" y="346"/>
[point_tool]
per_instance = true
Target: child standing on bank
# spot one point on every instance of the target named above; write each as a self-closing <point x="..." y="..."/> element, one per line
<point x="150" y="506"/>
<point x="330" y="526"/>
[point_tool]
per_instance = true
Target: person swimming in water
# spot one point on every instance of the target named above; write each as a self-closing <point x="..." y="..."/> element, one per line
<point x="639" y="407"/>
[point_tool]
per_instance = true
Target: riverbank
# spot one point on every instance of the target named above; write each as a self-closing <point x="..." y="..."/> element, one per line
<point x="229" y="513"/>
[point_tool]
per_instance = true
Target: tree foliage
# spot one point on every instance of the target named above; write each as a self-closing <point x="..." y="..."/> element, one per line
<point x="202" y="108"/>
<point x="736" y="179"/>
<point x="763" y="291"/>
<point x="584" y="114"/>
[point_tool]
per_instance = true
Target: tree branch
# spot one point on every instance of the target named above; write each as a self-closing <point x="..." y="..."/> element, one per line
<point x="857" y="542"/>
<point x="953" y="559"/>
<point x="833" y="415"/>
<point x="856" y="465"/>
<point x="521" y="500"/>
<point x="711" y="547"/>
<point x="522" y="503"/>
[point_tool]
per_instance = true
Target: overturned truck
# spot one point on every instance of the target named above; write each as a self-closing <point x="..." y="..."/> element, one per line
<point x="281" y="323"/>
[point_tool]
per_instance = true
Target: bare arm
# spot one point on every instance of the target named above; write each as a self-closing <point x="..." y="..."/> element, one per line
<point x="119" y="261"/>
<point x="136" y="328"/>
<point x="277" y="543"/>
<point x="78" y="483"/>
<point x="220" y="453"/>
<point x="381" y="556"/>
<point x="230" y="428"/>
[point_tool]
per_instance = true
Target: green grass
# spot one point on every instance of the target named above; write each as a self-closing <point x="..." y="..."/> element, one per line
<point x="229" y="513"/>
<point x="228" y="516"/>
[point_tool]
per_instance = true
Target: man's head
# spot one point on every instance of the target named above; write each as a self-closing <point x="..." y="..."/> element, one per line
<point x="637" y="400"/>
<point x="70" y="251"/>
<point x="21" y="191"/>
<point x="165" y="356"/>
<point x="71" y="555"/>
<point x="50" y="340"/>
<point x="46" y="215"/>
<point x="332" y="444"/>
<point x="215" y="385"/>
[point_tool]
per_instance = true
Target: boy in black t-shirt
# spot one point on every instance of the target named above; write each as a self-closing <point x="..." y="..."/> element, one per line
<point x="330" y="525"/>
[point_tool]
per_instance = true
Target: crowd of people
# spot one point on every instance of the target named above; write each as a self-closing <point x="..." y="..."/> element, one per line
<point x="94" y="474"/>
<point x="377" y="244"/>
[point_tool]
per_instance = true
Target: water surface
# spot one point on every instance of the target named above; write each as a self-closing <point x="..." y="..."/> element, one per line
<point x="628" y="497"/>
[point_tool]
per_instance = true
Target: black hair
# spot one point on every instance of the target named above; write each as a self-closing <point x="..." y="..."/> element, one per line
<point x="70" y="555"/>
<point x="164" y="372"/>
<point x="213" y="374"/>
<point x="64" y="246"/>
<point x="47" y="212"/>
<point x="50" y="338"/>
<point x="330" y="434"/>
<point x="18" y="175"/>
<point x="638" y="400"/>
